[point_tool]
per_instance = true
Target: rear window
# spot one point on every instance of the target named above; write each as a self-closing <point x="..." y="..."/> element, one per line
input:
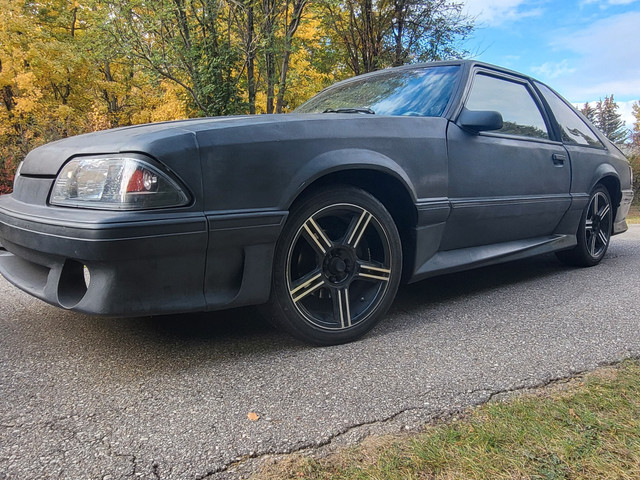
<point x="574" y="130"/>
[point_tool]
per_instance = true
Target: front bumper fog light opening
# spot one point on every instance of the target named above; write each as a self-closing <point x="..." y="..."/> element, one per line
<point x="74" y="282"/>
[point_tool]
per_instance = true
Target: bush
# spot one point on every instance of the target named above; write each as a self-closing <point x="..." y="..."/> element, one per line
<point x="8" y="168"/>
<point x="635" y="166"/>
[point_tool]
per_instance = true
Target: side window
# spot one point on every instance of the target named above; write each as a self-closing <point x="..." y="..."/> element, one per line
<point x="574" y="130"/>
<point x="519" y="111"/>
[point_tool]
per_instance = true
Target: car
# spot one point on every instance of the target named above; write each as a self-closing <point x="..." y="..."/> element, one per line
<point x="318" y="215"/>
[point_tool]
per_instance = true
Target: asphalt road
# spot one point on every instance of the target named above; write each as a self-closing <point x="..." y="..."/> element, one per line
<point x="84" y="397"/>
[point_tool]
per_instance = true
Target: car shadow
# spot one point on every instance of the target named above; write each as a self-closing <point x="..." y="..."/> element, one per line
<point x="412" y="299"/>
<point x="172" y="342"/>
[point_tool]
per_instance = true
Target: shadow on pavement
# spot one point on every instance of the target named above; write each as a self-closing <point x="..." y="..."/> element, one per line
<point x="177" y="341"/>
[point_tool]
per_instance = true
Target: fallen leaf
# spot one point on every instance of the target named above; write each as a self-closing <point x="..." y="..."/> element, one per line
<point x="253" y="416"/>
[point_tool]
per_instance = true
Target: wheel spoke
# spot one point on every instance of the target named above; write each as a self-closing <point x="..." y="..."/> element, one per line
<point x="591" y="243"/>
<point x="604" y="212"/>
<point x="357" y="228"/>
<point x="341" y="307"/>
<point x="603" y="237"/>
<point x="588" y="225"/>
<point x="595" y="205"/>
<point x="308" y="284"/>
<point x="317" y="236"/>
<point x="374" y="272"/>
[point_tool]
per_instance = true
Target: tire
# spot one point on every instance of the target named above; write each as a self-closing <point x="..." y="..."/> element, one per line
<point x="337" y="267"/>
<point x="594" y="232"/>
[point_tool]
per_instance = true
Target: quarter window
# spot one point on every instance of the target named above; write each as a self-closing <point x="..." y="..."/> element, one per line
<point x="520" y="113"/>
<point x="574" y="130"/>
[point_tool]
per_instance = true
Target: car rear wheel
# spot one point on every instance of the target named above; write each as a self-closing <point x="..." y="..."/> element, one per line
<point x="337" y="266"/>
<point x="594" y="232"/>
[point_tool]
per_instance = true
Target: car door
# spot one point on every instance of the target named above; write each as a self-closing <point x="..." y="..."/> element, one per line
<point x="507" y="184"/>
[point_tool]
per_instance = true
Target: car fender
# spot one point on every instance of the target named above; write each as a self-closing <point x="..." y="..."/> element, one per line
<point x="342" y="160"/>
<point x="604" y="170"/>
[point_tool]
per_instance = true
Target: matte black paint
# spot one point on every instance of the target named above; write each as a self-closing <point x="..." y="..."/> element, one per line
<point x="478" y="198"/>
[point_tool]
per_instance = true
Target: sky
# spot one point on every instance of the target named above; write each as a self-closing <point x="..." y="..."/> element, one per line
<point x="583" y="49"/>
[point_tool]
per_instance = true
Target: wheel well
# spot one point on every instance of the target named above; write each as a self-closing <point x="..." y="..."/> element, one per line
<point x="612" y="184"/>
<point x="390" y="191"/>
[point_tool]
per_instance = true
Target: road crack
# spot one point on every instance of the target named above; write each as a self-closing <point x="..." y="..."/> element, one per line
<point x="439" y="416"/>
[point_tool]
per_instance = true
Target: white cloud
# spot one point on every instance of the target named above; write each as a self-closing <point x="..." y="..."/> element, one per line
<point x="625" y="109"/>
<point x="497" y="12"/>
<point x="551" y="70"/>
<point x="606" y="4"/>
<point x="601" y="60"/>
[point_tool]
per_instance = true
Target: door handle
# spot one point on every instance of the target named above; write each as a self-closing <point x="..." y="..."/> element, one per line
<point x="559" y="159"/>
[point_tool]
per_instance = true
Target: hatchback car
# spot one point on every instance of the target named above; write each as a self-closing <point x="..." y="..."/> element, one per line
<point x="393" y="176"/>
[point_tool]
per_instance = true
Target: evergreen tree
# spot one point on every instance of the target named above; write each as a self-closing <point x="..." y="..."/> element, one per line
<point x="609" y="121"/>
<point x="589" y="112"/>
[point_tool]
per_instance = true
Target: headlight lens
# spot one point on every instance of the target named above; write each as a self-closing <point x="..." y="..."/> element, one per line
<point x="115" y="183"/>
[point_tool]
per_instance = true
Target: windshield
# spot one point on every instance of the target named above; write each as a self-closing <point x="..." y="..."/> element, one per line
<point x="420" y="92"/>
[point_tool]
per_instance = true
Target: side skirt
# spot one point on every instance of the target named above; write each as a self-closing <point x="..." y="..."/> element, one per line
<point x="473" y="257"/>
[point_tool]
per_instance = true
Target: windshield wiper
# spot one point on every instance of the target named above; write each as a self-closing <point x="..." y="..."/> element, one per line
<point x="350" y="110"/>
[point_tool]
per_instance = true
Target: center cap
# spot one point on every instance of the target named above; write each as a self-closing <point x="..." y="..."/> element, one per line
<point x="337" y="266"/>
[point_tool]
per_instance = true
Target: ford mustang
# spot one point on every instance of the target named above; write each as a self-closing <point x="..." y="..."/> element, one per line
<point x="389" y="177"/>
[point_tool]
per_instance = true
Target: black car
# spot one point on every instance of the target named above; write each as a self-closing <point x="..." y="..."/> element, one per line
<point x="393" y="176"/>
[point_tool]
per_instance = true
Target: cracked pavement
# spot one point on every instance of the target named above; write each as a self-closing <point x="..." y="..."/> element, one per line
<point x="168" y="397"/>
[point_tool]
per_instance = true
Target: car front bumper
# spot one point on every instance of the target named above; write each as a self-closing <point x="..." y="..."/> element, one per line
<point x="96" y="263"/>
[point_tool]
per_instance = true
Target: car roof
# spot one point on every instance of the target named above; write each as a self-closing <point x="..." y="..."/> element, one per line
<point x="466" y="63"/>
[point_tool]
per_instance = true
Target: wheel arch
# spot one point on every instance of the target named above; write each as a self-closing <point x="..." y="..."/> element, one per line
<point x="610" y="181"/>
<point x="388" y="185"/>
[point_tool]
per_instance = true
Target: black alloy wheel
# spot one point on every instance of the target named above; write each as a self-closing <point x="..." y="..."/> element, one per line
<point x="594" y="232"/>
<point x="337" y="266"/>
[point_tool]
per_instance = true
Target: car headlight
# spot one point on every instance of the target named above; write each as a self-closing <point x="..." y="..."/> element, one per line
<point x="115" y="183"/>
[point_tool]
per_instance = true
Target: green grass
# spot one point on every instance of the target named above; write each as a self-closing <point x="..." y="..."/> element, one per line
<point x="587" y="429"/>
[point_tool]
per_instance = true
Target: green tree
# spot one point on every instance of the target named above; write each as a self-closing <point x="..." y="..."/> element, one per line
<point x="186" y="41"/>
<point x="589" y="112"/>
<point x="609" y="121"/>
<point x="374" y="34"/>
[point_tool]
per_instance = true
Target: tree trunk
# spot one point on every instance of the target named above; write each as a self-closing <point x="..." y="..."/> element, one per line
<point x="268" y="7"/>
<point x="251" y="56"/>
<point x="398" y="32"/>
<point x="298" y="8"/>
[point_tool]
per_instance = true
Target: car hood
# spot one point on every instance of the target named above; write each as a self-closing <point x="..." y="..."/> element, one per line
<point x="155" y="139"/>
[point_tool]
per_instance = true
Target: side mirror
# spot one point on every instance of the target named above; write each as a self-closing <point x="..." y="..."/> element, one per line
<point x="478" y="121"/>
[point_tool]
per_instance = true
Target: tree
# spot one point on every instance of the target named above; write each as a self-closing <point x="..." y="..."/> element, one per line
<point x="635" y="134"/>
<point x="605" y="116"/>
<point x="610" y="121"/>
<point x="634" y="158"/>
<point x="589" y="112"/>
<point x="185" y="41"/>
<point x="374" y="34"/>
<point x="291" y="24"/>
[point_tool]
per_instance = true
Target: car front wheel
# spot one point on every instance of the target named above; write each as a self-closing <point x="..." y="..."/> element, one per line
<point x="594" y="232"/>
<point x="337" y="266"/>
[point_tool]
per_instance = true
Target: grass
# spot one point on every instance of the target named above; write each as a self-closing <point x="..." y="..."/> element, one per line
<point x="586" y="429"/>
<point x="634" y="214"/>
